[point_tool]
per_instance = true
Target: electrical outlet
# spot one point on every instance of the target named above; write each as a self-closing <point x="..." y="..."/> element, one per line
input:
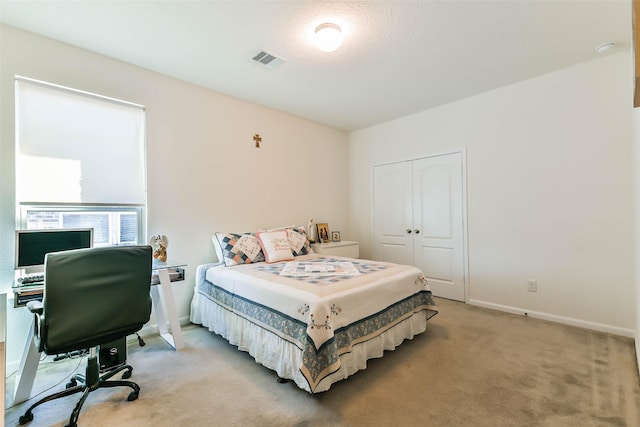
<point x="532" y="285"/>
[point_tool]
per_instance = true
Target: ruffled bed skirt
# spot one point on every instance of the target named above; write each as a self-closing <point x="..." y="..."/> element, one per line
<point x="284" y="357"/>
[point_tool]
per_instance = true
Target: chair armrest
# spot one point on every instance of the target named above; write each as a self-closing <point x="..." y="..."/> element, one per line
<point x="35" y="307"/>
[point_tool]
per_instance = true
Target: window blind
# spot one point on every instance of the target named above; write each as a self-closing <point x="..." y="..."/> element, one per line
<point x="76" y="147"/>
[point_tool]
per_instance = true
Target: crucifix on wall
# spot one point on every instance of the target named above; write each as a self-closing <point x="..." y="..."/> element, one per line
<point x="257" y="139"/>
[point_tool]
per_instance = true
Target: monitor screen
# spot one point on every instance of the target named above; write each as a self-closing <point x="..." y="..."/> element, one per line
<point x="33" y="245"/>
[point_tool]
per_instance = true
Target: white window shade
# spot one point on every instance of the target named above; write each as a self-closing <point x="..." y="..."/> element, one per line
<point x="74" y="147"/>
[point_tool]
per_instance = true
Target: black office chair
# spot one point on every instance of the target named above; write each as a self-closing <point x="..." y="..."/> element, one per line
<point x="92" y="297"/>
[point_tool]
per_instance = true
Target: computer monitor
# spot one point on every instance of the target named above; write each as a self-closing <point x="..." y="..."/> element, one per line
<point x="33" y="245"/>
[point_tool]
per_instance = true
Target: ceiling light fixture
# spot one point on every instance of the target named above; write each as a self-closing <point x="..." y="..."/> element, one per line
<point x="328" y="37"/>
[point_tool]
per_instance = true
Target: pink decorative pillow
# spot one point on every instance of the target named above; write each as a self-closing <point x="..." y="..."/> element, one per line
<point x="275" y="245"/>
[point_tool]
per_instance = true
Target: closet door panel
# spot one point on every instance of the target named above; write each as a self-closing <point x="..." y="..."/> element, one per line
<point x="392" y="217"/>
<point x="438" y="223"/>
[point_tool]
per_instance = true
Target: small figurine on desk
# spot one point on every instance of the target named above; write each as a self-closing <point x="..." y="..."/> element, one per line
<point x="159" y="244"/>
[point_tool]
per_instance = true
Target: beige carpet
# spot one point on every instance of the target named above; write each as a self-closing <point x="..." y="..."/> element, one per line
<point x="473" y="367"/>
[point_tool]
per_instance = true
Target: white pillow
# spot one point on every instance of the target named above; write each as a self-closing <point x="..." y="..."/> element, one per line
<point x="298" y="240"/>
<point x="275" y="245"/>
<point x="217" y="247"/>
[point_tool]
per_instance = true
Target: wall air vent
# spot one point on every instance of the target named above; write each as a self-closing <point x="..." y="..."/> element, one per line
<point x="267" y="59"/>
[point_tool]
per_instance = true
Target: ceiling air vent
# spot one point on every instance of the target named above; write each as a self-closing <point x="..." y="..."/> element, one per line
<point x="267" y="59"/>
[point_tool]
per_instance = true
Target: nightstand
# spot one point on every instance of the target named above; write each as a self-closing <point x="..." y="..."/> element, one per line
<point x="344" y="248"/>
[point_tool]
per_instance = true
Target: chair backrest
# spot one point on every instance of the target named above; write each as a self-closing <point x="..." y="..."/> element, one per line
<point x="94" y="296"/>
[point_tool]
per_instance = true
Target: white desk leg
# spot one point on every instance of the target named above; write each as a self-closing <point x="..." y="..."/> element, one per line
<point x="27" y="371"/>
<point x="175" y="337"/>
<point x="159" y="312"/>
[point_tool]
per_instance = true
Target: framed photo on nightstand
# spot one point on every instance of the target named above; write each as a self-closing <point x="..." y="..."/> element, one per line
<point x="323" y="232"/>
<point x="335" y="236"/>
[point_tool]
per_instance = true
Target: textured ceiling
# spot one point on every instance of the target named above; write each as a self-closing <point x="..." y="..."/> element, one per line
<point x="398" y="57"/>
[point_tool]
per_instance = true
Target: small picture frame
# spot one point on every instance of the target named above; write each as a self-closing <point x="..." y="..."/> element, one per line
<point x="323" y="232"/>
<point x="335" y="236"/>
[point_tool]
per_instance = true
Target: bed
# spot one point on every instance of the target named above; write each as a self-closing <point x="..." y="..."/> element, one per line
<point x="313" y="319"/>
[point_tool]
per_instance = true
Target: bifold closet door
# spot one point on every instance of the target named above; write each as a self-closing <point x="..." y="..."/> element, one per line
<point x="438" y="237"/>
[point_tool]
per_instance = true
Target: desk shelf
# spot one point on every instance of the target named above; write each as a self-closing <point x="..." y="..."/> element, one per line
<point x="26" y="293"/>
<point x="175" y="274"/>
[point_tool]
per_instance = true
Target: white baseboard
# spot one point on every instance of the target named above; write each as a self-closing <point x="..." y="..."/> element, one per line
<point x="615" y="330"/>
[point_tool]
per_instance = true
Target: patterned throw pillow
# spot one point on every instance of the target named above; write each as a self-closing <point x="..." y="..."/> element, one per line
<point x="239" y="248"/>
<point x="275" y="245"/>
<point x="298" y="241"/>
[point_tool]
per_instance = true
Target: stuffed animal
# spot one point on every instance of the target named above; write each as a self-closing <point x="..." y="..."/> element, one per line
<point x="159" y="244"/>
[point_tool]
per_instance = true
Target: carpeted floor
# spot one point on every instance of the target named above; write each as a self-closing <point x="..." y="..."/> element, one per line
<point x="472" y="367"/>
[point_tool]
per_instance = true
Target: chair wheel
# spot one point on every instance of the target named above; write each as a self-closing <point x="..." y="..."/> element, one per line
<point x="72" y="383"/>
<point x="25" y="418"/>
<point x="132" y="396"/>
<point x="126" y="374"/>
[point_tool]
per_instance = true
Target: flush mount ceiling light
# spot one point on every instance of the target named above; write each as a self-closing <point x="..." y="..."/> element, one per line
<point x="328" y="37"/>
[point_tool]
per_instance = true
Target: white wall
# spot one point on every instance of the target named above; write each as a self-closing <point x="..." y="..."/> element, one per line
<point x="549" y="171"/>
<point x="636" y="191"/>
<point x="204" y="172"/>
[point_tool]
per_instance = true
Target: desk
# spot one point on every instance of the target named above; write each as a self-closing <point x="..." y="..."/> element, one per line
<point x="173" y="338"/>
<point x="160" y="276"/>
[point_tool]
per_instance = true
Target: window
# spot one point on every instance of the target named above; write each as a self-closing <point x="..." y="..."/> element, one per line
<point x="80" y="162"/>
<point x="111" y="225"/>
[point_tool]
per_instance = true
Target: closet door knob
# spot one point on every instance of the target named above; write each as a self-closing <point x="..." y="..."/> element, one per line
<point x="416" y="231"/>
<point x="408" y="231"/>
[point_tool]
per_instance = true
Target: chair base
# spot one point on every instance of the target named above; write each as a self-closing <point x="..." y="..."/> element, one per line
<point x="88" y="383"/>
